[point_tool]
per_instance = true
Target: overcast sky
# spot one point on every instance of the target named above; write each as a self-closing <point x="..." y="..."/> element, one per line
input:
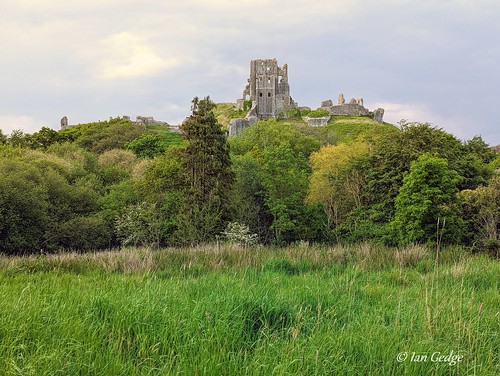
<point x="429" y="61"/>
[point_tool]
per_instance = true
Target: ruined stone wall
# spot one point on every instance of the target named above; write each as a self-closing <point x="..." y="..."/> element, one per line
<point x="148" y="120"/>
<point x="235" y="126"/>
<point x="348" y="109"/>
<point x="318" y="121"/>
<point x="355" y="107"/>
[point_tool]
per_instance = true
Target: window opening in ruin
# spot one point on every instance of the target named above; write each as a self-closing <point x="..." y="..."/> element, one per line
<point x="269" y="94"/>
<point x="260" y="94"/>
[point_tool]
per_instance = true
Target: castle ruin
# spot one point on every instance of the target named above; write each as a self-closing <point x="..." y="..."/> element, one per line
<point x="269" y="92"/>
<point x="268" y="89"/>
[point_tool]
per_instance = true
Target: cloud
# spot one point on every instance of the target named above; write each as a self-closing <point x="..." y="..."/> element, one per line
<point x="25" y="123"/>
<point x="426" y="61"/>
<point x="394" y="112"/>
<point x="126" y="55"/>
<point x="460" y="126"/>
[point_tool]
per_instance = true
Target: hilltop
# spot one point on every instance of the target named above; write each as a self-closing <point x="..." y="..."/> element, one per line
<point x="338" y="128"/>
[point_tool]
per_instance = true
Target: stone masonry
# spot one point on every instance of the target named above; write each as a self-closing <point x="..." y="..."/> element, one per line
<point x="268" y="89"/>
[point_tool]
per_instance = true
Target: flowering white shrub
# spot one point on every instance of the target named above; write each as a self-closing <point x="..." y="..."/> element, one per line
<point x="240" y="234"/>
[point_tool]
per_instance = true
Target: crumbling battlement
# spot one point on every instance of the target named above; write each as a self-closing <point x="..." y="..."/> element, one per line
<point x="355" y="107"/>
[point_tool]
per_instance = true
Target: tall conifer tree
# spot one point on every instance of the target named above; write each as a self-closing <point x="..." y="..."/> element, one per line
<point x="207" y="169"/>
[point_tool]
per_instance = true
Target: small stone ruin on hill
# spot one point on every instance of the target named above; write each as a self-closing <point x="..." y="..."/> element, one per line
<point x="139" y="120"/>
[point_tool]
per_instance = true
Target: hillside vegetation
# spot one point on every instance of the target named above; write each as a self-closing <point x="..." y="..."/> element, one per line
<point x="107" y="184"/>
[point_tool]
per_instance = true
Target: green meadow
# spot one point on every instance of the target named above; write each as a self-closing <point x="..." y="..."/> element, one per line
<point x="227" y="310"/>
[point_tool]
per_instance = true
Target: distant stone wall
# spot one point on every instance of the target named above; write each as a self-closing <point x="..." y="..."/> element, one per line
<point x="348" y="109"/>
<point x="235" y="126"/>
<point x="148" y="120"/>
<point x="355" y="107"/>
<point x="378" y="115"/>
<point x="140" y="120"/>
<point x="317" y="121"/>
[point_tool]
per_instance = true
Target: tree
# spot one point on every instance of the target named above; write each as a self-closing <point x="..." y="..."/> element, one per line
<point x="18" y="138"/>
<point x="481" y="210"/>
<point x="207" y="170"/>
<point x="103" y="135"/>
<point x="477" y="146"/>
<point x="151" y="145"/>
<point x="392" y="153"/>
<point x="140" y="225"/>
<point x="335" y="182"/>
<point x="43" y="138"/>
<point x="285" y="178"/>
<point x="48" y="203"/>
<point x="248" y="204"/>
<point x="23" y="207"/>
<point x="428" y="195"/>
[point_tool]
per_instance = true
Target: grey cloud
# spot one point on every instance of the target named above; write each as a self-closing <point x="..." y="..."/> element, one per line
<point x="430" y="56"/>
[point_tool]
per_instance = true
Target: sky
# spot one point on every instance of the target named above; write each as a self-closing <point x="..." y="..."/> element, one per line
<point x="426" y="61"/>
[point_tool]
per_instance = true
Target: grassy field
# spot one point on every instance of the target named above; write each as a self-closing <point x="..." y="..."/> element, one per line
<point x="225" y="310"/>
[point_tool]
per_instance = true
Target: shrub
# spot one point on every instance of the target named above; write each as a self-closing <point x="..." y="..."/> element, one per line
<point x="317" y="113"/>
<point x="240" y="234"/>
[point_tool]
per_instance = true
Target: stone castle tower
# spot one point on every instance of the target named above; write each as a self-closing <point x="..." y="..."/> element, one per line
<point x="268" y="89"/>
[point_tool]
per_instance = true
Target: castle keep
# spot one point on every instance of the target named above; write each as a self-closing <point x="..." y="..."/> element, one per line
<point x="268" y="89"/>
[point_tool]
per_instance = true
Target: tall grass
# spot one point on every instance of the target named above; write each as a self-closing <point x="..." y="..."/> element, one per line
<point x="225" y="310"/>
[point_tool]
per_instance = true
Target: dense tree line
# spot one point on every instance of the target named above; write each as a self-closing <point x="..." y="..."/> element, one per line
<point x="106" y="184"/>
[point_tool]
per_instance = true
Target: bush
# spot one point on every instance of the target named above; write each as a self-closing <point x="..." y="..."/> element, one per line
<point x="318" y="113"/>
<point x="151" y="145"/>
<point x="84" y="233"/>
<point x="240" y="234"/>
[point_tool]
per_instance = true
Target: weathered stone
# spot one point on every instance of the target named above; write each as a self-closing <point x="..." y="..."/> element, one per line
<point x="341" y="99"/>
<point x="148" y="120"/>
<point x="239" y="104"/>
<point x="353" y="101"/>
<point x="64" y="122"/>
<point x="235" y="126"/>
<point x="174" y="128"/>
<point x="327" y="103"/>
<point x="252" y="119"/>
<point x="317" y="121"/>
<point x="349" y="110"/>
<point x="360" y="101"/>
<point x="378" y="115"/>
<point x="268" y="88"/>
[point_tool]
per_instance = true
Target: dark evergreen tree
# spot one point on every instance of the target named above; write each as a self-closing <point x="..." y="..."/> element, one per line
<point x="207" y="170"/>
